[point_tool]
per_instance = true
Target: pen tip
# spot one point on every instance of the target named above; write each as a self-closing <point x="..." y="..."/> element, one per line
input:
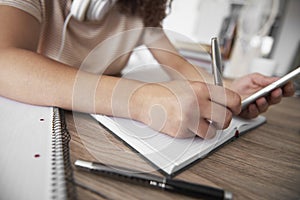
<point x="228" y="195"/>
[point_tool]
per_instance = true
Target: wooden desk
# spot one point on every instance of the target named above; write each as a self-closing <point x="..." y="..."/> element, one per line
<point x="262" y="164"/>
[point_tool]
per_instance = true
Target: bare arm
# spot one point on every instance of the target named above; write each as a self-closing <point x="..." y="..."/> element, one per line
<point x="33" y="78"/>
<point x="167" y="55"/>
<point x="29" y="77"/>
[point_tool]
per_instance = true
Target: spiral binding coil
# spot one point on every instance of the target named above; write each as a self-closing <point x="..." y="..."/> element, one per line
<point x="61" y="170"/>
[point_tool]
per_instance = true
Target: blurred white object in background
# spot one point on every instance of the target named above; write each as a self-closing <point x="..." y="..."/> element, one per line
<point x="264" y="66"/>
<point x="255" y="21"/>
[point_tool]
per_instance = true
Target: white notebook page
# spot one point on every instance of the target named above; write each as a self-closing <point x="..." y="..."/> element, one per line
<point x="25" y="151"/>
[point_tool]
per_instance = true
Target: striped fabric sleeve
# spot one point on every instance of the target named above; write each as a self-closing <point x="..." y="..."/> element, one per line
<point x="33" y="7"/>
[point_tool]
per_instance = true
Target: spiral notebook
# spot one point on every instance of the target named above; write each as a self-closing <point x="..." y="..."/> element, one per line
<point x="34" y="161"/>
<point x="168" y="154"/>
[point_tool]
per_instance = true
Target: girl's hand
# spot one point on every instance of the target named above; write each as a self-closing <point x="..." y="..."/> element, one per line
<point x="252" y="83"/>
<point x="184" y="108"/>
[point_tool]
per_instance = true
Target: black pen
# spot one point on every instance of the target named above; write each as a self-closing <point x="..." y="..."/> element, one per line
<point x="168" y="184"/>
<point x="216" y="61"/>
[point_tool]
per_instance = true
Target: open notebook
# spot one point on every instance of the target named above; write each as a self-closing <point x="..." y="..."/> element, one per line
<point x="167" y="153"/>
<point x="170" y="154"/>
<point x="33" y="152"/>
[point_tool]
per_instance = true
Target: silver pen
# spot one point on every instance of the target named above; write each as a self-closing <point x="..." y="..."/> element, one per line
<point x="216" y="61"/>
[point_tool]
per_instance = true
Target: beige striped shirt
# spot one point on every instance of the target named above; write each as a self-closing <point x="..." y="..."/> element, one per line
<point x="111" y="39"/>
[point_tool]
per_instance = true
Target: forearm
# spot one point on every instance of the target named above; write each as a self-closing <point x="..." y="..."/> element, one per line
<point x="32" y="78"/>
<point x="175" y="64"/>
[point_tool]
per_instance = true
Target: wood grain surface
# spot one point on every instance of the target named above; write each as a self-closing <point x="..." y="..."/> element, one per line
<point x="262" y="164"/>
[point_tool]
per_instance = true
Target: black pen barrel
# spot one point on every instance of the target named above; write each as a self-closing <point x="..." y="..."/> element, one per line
<point x="178" y="186"/>
<point x="196" y="190"/>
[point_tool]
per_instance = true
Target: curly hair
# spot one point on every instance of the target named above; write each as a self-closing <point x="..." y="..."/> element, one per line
<point x="151" y="11"/>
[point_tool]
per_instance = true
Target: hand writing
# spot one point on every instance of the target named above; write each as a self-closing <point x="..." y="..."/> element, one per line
<point x="185" y="108"/>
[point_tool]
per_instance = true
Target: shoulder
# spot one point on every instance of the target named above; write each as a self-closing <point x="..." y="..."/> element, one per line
<point x="32" y="7"/>
<point x="38" y="8"/>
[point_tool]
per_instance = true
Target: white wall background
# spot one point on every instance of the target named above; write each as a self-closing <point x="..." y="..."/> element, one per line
<point x="200" y="20"/>
<point x="289" y="38"/>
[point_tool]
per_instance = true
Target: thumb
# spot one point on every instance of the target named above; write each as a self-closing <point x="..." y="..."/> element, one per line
<point x="262" y="80"/>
